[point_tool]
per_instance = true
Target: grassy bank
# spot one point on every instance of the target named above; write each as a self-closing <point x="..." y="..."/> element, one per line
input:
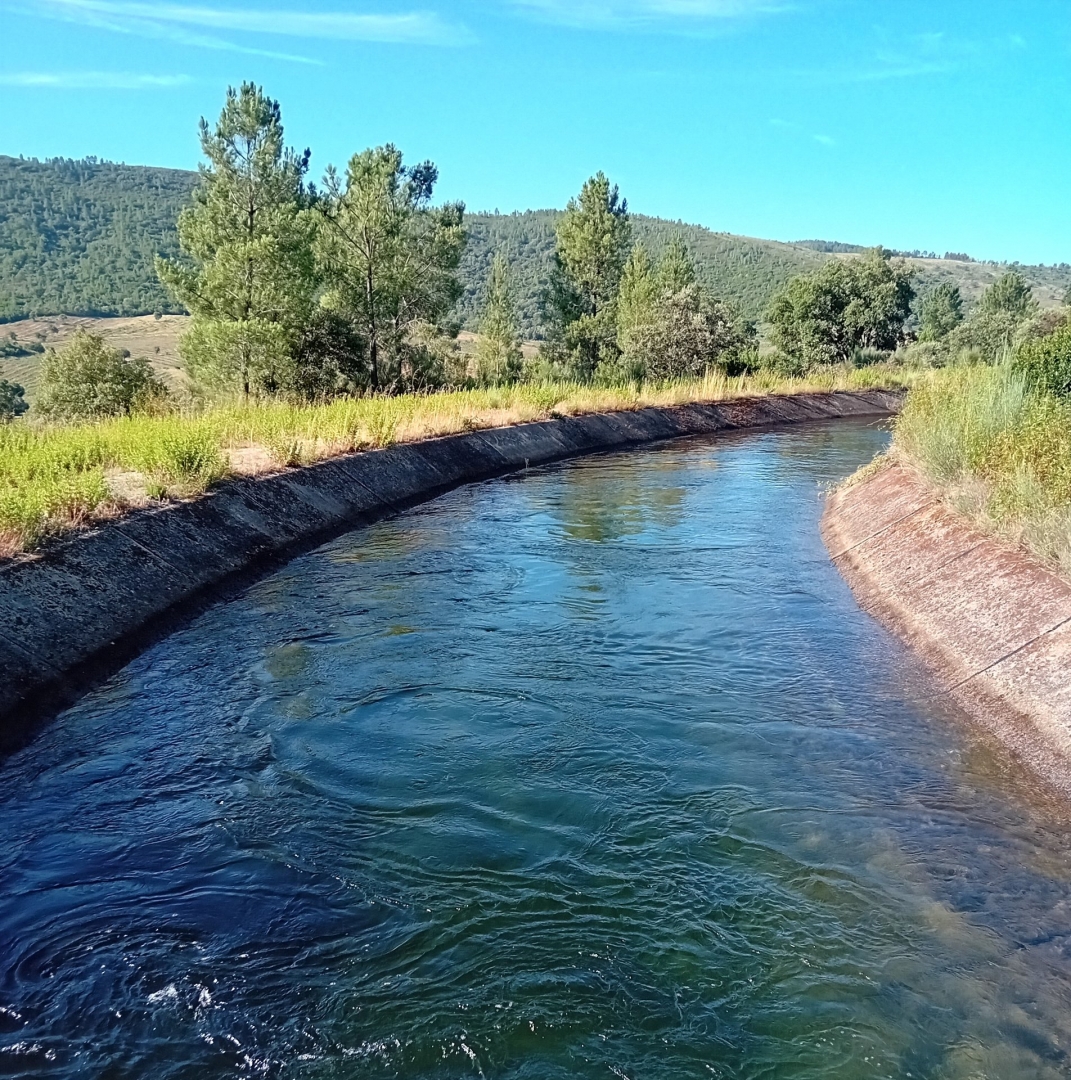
<point x="57" y="478"/>
<point x="999" y="453"/>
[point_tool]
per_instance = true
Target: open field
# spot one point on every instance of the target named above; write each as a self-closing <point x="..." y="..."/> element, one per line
<point x="56" y="478"/>
<point x="142" y="335"/>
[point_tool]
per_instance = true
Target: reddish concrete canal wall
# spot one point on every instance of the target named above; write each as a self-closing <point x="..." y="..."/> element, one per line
<point x="92" y="601"/>
<point x="992" y="623"/>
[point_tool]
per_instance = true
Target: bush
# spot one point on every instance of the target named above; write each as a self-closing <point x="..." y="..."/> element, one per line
<point x="987" y="336"/>
<point x="12" y="400"/>
<point x="87" y="380"/>
<point x="1046" y="362"/>
<point x="849" y="304"/>
<point x="869" y="357"/>
<point x="685" y="334"/>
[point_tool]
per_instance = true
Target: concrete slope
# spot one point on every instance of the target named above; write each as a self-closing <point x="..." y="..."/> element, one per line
<point x="87" y="604"/>
<point x="992" y="623"/>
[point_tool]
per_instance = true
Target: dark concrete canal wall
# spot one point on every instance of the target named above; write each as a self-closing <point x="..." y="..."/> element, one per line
<point x="75" y="612"/>
<point x="992" y="623"/>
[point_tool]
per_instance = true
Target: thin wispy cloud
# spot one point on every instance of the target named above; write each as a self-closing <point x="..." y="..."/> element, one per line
<point x="163" y="32"/>
<point x="920" y="56"/>
<point x="624" y="14"/>
<point x="802" y="132"/>
<point x="204" y="26"/>
<point x="91" y="80"/>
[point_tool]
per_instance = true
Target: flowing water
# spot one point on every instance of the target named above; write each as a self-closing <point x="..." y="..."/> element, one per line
<point x="596" y="772"/>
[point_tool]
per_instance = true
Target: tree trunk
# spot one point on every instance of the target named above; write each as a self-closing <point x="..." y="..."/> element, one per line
<point x="373" y="341"/>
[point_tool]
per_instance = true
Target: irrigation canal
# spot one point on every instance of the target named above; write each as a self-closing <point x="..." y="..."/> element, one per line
<point x="597" y="771"/>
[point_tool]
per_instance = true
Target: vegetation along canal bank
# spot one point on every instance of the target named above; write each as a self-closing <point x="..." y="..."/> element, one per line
<point x="69" y="614"/>
<point x="960" y="539"/>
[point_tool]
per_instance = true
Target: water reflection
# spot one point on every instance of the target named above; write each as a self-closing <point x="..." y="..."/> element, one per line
<point x="598" y="509"/>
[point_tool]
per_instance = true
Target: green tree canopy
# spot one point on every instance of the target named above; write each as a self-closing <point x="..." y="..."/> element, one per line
<point x="593" y="237"/>
<point x="12" y="399"/>
<point x="849" y="304"/>
<point x="637" y="296"/>
<point x="88" y="380"/>
<point x="668" y="326"/>
<point x="1009" y="295"/>
<point x="390" y="262"/>
<point x="942" y="312"/>
<point x="1006" y="315"/>
<point x="498" y="352"/>
<point x="688" y="334"/>
<point x="676" y="271"/>
<point x="249" y="279"/>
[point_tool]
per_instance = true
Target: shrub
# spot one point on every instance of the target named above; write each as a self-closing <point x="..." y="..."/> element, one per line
<point x="12" y="400"/>
<point x="1046" y="362"/>
<point x="87" y="380"/>
<point x="869" y="357"/>
<point x="988" y="336"/>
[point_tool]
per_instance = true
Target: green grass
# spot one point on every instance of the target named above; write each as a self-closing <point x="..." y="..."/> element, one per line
<point x="53" y="479"/>
<point x="1000" y="453"/>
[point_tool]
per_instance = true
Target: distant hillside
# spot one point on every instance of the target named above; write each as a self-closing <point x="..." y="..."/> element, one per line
<point x="78" y="238"/>
<point x="748" y="272"/>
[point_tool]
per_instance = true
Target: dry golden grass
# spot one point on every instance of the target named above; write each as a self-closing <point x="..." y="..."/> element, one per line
<point x="53" y="479"/>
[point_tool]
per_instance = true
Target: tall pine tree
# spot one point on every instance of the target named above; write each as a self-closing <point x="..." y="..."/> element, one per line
<point x="593" y="239"/>
<point x="498" y="352"/>
<point x="249" y="236"/>
<point x="390" y="260"/>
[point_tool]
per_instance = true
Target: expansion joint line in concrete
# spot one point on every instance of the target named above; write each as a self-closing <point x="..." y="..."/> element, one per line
<point x="144" y="547"/>
<point x="915" y="582"/>
<point x="1008" y="655"/>
<point x="884" y="529"/>
<point x="11" y="643"/>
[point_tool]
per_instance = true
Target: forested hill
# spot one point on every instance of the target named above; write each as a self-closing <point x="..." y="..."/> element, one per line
<point x="78" y="238"/>
<point x="735" y="268"/>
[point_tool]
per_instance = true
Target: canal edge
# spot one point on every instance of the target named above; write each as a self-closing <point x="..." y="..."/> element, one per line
<point x="991" y="623"/>
<point x="77" y="611"/>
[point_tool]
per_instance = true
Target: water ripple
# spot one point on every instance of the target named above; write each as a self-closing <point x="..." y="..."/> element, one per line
<point x="598" y="772"/>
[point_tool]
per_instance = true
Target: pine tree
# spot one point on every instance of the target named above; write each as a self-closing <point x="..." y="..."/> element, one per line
<point x="942" y="312"/>
<point x="498" y="353"/>
<point x="637" y="295"/>
<point x="249" y="233"/>
<point x="675" y="269"/>
<point x="390" y="261"/>
<point x="1009" y="295"/>
<point x="593" y="239"/>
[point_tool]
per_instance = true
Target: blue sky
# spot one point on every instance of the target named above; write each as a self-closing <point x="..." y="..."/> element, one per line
<point x="939" y="125"/>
